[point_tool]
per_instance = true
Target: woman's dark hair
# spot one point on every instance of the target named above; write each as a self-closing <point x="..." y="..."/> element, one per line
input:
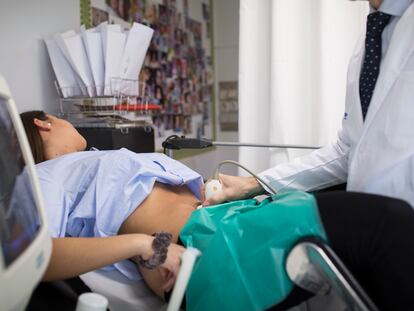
<point x="32" y="133"/>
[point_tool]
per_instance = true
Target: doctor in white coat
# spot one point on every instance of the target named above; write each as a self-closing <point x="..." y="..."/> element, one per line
<point x="369" y="224"/>
<point x="375" y="155"/>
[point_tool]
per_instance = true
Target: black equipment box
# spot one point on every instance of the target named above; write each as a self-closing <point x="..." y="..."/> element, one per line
<point x="138" y="139"/>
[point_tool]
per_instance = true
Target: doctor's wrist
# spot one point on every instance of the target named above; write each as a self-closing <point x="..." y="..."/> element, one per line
<point x="254" y="188"/>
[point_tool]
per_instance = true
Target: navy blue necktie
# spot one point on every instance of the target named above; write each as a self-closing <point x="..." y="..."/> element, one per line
<point x="373" y="47"/>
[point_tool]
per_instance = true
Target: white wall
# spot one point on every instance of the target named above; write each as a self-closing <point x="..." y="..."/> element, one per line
<point x="226" y="52"/>
<point x="23" y="57"/>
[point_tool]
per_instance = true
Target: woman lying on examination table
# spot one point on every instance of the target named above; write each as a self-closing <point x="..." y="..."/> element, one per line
<point x="103" y="207"/>
<point x="96" y="194"/>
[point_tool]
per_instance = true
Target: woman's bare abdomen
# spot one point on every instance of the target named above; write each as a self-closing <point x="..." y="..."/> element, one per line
<point x="167" y="208"/>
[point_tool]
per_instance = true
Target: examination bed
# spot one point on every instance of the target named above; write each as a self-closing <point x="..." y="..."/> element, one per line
<point x="311" y="265"/>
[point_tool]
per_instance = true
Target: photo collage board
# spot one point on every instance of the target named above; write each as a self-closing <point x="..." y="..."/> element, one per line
<point x="178" y="68"/>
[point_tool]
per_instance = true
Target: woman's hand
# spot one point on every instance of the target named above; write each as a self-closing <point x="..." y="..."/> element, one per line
<point x="170" y="268"/>
<point x="233" y="188"/>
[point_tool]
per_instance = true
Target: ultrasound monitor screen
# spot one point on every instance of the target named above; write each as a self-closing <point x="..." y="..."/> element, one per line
<point x="19" y="219"/>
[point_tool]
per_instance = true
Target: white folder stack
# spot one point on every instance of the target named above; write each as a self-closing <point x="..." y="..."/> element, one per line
<point x="100" y="61"/>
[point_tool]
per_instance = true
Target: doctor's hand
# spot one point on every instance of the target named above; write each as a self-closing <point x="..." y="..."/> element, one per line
<point x="233" y="188"/>
<point x="170" y="268"/>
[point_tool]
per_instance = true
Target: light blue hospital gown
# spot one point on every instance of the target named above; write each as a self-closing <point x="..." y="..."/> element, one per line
<point x="91" y="193"/>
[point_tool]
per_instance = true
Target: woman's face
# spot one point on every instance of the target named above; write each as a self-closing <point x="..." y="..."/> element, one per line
<point x="65" y="132"/>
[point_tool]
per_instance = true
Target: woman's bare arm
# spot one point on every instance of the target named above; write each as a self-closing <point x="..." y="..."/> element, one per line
<point x="74" y="256"/>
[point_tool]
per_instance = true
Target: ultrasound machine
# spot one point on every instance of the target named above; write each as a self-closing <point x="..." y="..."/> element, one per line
<point x="25" y="243"/>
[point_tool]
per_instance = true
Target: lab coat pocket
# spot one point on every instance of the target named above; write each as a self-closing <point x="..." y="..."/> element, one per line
<point x="396" y="180"/>
<point x="399" y="109"/>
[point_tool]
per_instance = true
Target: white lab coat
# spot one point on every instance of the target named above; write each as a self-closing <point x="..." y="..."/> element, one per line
<point x="375" y="156"/>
